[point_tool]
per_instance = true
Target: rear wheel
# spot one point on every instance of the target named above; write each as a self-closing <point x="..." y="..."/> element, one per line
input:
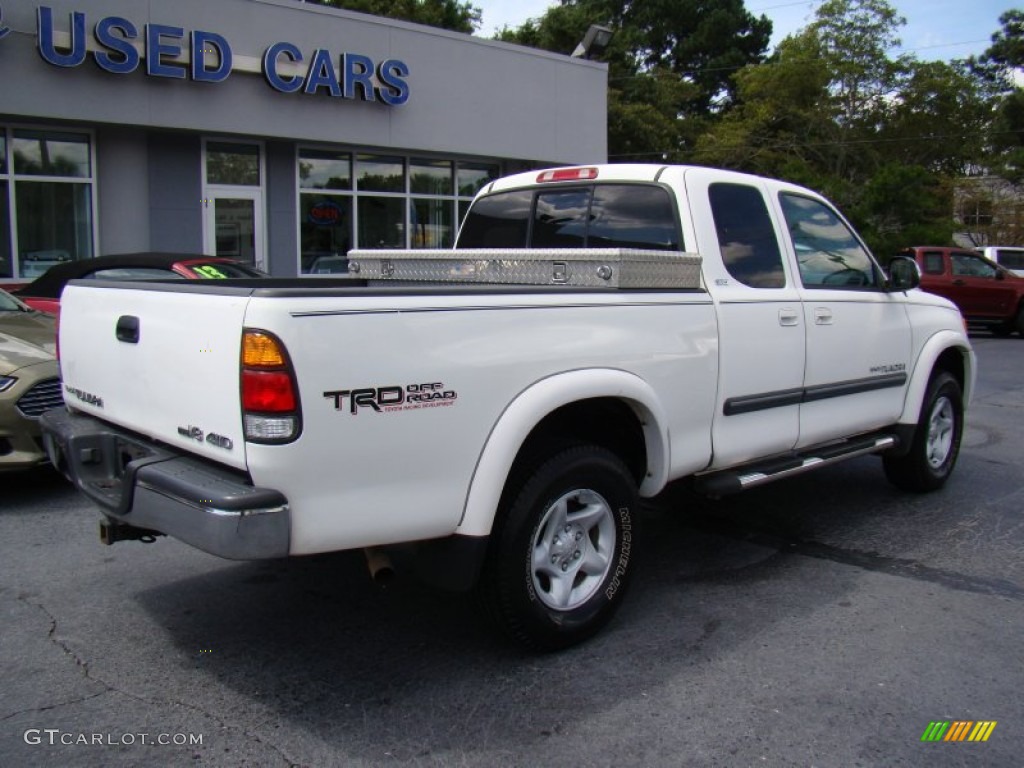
<point x="562" y="549"/>
<point x="1019" y="323"/>
<point x="936" y="445"/>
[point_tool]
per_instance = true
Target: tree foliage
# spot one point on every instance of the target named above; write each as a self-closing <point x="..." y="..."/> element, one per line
<point x="886" y="136"/>
<point x="670" y="64"/>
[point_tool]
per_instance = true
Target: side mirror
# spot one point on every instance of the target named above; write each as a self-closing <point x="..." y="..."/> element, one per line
<point x="904" y="274"/>
<point x="1000" y="275"/>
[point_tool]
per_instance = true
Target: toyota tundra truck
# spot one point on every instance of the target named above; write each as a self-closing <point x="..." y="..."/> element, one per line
<point x="496" y="411"/>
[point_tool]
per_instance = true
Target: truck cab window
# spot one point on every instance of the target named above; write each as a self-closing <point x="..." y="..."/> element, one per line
<point x="560" y="219"/>
<point x="746" y="238"/>
<point x="497" y="221"/>
<point x="632" y="216"/>
<point x="828" y="253"/>
<point x="933" y="264"/>
<point x="594" y="216"/>
<point x="968" y="265"/>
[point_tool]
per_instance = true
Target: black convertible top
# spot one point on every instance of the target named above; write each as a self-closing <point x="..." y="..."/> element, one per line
<point x="50" y="284"/>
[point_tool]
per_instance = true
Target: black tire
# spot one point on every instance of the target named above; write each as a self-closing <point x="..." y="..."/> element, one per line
<point x="1019" y="323"/>
<point x="562" y="549"/>
<point x="936" y="444"/>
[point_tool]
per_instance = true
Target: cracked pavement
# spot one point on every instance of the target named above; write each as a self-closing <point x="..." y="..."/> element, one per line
<point x="822" y="621"/>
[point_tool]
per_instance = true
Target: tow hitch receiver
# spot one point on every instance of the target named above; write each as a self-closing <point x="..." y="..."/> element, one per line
<point x="111" y="532"/>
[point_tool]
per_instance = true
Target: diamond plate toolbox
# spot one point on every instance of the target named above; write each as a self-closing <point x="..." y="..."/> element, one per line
<point x="582" y="267"/>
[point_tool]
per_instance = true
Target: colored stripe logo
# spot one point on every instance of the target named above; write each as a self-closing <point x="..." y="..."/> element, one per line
<point x="958" y="730"/>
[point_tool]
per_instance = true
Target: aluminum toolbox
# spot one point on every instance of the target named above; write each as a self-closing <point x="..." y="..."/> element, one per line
<point x="581" y="267"/>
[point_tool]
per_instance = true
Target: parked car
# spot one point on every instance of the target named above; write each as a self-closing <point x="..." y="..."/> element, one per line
<point x="29" y="381"/>
<point x="44" y="292"/>
<point x="1008" y="256"/>
<point x="986" y="293"/>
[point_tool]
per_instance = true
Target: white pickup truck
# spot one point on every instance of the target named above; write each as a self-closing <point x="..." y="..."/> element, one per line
<point x="495" y="411"/>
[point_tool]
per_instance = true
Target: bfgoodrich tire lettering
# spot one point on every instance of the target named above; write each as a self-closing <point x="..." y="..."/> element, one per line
<point x="563" y="548"/>
<point x="936" y="445"/>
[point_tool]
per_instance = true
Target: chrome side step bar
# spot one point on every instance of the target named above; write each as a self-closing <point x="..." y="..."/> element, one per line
<point x="728" y="481"/>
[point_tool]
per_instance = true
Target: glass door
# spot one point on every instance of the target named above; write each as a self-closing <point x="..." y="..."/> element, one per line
<point x="234" y="226"/>
<point x="233" y="201"/>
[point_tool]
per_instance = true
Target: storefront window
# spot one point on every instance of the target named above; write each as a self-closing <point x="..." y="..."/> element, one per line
<point x="326" y="232"/>
<point x="430" y="177"/>
<point x="6" y="266"/>
<point x="39" y="153"/>
<point x="473" y="177"/>
<point x="323" y="169"/>
<point x="54" y="224"/>
<point x="378" y="173"/>
<point x="350" y="199"/>
<point x="432" y="224"/>
<point x="46" y="200"/>
<point x="230" y="163"/>
<point x="381" y="222"/>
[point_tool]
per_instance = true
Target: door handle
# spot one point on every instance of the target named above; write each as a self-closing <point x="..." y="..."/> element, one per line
<point x="788" y="316"/>
<point x="822" y="316"/>
<point x="127" y="329"/>
<point x="959" y="282"/>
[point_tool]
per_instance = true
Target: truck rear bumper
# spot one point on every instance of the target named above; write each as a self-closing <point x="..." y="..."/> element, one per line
<point x="138" y="483"/>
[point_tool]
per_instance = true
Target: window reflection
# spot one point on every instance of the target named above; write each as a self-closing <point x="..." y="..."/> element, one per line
<point x="54" y="224"/>
<point x="431" y="224"/>
<point x="326" y="233"/>
<point x="430" y="177"/>
<point x="632" y="216"/>
<point x="379" y="173"/>
<point x="828" y="253"/>
<point x="51" y="154"/>
<point x="381" y="222"/>
<point x="235" y="164"/>
<point x="497" y="221"/>
<point x="560" y="220"/>
<point x="473" y="176"/>
<point x="324" y="169"/>
<point x="746" y="237"/>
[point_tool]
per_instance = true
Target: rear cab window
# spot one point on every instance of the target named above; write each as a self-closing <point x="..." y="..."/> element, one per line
<point x="746" y="237"/>
<point x="585" y="216"/>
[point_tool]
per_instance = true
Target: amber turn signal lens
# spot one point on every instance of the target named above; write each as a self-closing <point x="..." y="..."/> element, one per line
<point x="260" y="350"/>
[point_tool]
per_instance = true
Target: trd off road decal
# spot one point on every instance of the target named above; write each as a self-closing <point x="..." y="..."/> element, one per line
<point x="392" y="399"/>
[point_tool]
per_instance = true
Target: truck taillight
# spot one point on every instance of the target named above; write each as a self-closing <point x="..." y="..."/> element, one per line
<point x="568" y="174"/>
<point x="270" y="397"/>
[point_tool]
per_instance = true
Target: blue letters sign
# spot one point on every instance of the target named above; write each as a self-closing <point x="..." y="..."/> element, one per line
<point x="347" y="76"/>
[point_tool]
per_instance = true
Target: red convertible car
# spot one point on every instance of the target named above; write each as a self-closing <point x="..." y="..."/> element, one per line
<point x="43" y="293"/>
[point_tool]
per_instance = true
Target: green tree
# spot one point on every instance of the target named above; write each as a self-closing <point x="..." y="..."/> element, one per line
<point x="446" y="14"/>
<point x="1000" y="62"/>
<point x="670" y="65"/>
<point x="883" y="136"/>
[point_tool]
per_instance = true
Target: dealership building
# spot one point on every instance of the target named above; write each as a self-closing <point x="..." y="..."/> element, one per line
<point x="277" y="132"/>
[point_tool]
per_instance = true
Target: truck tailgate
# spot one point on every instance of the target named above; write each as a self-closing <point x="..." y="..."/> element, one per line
<point x="163" y="363"/>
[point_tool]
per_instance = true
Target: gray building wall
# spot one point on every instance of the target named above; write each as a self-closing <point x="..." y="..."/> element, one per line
<point x="468" y="96"/>
<point x="175" y="193"/>
<point x="122" y="180"/>
<point x="282" y="216"/>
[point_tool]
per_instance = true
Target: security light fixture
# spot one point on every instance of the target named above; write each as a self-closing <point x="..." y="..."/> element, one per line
<point x="594" y="42"/>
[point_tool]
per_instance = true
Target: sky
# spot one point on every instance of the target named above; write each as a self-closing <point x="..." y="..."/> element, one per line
<point x="935" y="29"/>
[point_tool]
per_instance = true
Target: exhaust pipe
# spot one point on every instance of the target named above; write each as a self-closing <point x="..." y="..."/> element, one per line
<point x="381" y="569"/>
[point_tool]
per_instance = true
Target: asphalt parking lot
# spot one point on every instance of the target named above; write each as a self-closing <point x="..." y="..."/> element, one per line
<point x="822" y="621"/>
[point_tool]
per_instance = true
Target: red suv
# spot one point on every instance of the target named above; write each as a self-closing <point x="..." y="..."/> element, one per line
<point x="986" y="293"/>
